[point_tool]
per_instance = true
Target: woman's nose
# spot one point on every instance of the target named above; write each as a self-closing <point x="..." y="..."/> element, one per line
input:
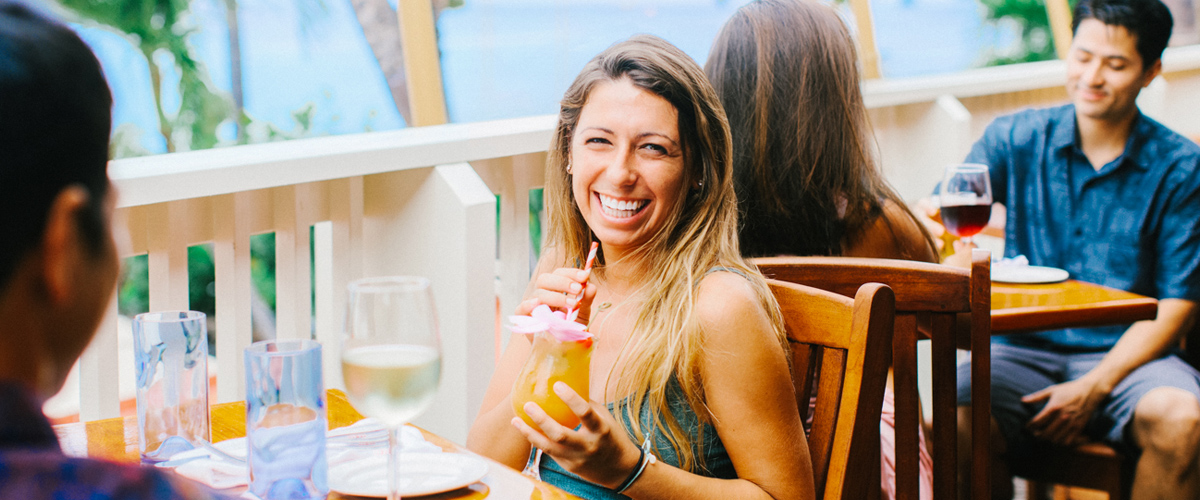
<point x="621" y="169"/>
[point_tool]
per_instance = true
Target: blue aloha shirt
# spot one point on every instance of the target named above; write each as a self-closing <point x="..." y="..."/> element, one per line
<point x="1133" y="225"/>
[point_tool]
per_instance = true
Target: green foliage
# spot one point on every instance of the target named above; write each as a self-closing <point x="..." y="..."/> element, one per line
<point x="159" y="30"/>
<point x="536" y="206"/>
<point x="133" y="292"/>
<point x="202" y="276"/>
<point x="262" y="266"/>
<point x="1029" y="18"/>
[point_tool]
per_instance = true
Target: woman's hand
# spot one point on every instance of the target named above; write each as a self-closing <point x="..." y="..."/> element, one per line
<point x="598" y="451"/>
<point x="560" y="290"/>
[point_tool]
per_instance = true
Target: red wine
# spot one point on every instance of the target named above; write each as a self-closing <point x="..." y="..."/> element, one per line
<point x="966" y="220"/>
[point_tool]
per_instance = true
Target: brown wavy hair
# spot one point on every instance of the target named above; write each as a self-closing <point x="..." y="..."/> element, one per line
<point x="806" y="177"/>
<point x="700" y="234"/>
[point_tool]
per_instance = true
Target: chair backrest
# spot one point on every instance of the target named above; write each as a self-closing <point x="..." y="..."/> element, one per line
<point x="840" y="350"/>
<point x="929" y="300"/>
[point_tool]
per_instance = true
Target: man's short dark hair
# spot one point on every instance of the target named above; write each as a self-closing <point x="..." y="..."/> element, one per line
<point x="55" y="118"/>
<point x="1149" y="21"/>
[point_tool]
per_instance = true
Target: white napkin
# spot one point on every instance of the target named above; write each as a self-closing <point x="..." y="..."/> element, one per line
<point x="1018" y="261"/>
<point x="353" y="442"/>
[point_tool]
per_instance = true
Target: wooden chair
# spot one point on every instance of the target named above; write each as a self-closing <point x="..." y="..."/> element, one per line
<point x="840" y="347"/>
<point x="1094" y="466"/>
<point x="932" y="296"/>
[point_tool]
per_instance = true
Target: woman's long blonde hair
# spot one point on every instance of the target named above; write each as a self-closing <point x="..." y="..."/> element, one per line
<point x="700" y="234"/>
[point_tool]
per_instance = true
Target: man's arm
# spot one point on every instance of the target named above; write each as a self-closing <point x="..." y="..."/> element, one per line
<point x="1069" y="405"/>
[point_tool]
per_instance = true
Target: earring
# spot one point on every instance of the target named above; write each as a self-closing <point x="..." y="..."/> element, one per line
<point x="568" y="168"/>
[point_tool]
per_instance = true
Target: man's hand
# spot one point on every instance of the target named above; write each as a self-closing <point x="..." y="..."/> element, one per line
<point x="927" y="214"/>
<point x="1069" y="405"/>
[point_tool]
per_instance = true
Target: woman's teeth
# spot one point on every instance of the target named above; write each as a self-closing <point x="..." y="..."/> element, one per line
<point x="621" y="208"/>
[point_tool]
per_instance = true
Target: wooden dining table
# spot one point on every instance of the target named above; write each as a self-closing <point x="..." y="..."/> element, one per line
<point x="115" y="439"/>
<point x="1072" y="303"/>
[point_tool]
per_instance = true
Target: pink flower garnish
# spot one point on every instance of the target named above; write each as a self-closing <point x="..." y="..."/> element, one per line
<point x="543" y="319"/>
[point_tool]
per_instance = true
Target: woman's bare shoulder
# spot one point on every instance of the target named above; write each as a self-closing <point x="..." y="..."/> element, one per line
<point x="892" y="235"/>
<point x="729" y="308"/>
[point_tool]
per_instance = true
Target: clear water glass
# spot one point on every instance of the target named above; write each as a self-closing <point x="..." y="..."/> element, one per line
<point x="286" y="420"/>
<point x="171" y="352"/>
<point x="391" y="355"/>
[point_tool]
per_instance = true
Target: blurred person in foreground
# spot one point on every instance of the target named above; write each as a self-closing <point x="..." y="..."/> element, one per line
<point x="690" y="352"/>
<point x="1099" y="189"/>
<point x="806" y="179"/>
<point x="58" y="262"/>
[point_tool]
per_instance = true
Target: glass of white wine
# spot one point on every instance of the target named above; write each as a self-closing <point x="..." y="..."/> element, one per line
<point x="391" y="355"/>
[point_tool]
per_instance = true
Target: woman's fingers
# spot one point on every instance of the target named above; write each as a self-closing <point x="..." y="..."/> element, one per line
<point x="553" y="431"/>
<point x="534" y="437"/>
<point x="561" y="288"/>
<point x="526" y="307"/>
<point x="579" y="406"/>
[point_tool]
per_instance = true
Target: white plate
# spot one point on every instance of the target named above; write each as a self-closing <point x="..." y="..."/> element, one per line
<point x="420" y="474"/>
<point x="1028" y="274"/>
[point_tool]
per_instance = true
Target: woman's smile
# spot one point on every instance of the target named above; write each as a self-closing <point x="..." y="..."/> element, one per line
<point x="621" y="208"/>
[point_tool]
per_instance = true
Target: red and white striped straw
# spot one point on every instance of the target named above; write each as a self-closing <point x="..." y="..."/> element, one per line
<point x="587" y="266"/>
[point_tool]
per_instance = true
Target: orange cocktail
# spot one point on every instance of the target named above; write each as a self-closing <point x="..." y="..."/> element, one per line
<point x="550" y="361"/>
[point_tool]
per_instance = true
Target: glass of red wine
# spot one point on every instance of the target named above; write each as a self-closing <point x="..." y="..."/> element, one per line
<point x="966" y="199"/>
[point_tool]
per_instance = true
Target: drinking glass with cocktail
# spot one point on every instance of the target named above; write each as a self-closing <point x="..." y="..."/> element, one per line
<point x="391" y="355"/>
<point x="561" y="351"/>
<point x="558" y="354"/>
<point x="966" y="200"/>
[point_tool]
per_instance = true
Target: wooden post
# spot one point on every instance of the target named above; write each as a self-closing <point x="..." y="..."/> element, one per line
<point x="422" y="67"/>
<point x="867" y="52"/>
<point x="1059" y="13"/>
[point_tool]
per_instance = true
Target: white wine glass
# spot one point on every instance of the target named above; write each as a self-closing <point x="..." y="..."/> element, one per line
<point x="966" y="199"/>
<point x="391" y="355"/>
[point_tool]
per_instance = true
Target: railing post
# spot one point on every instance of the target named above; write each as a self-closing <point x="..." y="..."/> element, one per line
<point x="231" y="260"/>
<point x="166" y="236"/>
<point x="99" y="381"/>
<point x="338" y="260"/>
<point x="293" y="288"/>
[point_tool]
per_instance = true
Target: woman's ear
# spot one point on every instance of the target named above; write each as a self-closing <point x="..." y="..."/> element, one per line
<point x="62" y="245"/>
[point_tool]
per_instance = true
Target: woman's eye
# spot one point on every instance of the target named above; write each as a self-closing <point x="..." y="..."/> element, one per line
<point x="656" y="148"/>
<point x="596" y="140"/>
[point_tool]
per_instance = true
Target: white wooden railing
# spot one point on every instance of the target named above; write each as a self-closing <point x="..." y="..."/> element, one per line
<point x="420" y="201"/>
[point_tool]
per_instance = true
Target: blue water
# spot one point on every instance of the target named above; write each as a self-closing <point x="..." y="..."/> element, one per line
<point x="500" y="58"/>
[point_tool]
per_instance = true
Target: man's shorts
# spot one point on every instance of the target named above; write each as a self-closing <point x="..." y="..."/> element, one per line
<point x="1018" y="371"/>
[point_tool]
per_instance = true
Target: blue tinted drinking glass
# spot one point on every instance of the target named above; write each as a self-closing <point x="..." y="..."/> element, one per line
<point x="171" y="351"/>
<point x="285" y="420"/>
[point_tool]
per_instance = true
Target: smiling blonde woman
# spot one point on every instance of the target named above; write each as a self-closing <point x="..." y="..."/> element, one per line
<point x="690" y="350"/>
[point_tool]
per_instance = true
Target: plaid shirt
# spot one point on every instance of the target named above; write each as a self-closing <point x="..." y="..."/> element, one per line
<point x="1133" y="225"/>
<point x="32" y="467"/>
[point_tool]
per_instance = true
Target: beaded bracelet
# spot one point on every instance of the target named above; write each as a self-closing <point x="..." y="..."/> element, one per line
<point x="644" y="460"/>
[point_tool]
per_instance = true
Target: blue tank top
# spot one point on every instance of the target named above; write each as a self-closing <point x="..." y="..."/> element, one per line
<point x="714" y="462"/>
<point x="710" y="451"/>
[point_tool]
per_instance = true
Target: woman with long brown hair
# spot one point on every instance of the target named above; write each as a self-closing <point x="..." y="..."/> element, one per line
<point x="689" y="346"/>
<point x="806" y="177"/>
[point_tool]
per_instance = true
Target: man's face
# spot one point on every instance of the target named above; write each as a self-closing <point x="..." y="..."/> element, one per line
<point x="1105" y="71"/>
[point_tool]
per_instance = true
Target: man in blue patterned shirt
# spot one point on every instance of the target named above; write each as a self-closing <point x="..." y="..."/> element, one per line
<point x="1113" y="197"/>
<point x="58" y="264"/>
